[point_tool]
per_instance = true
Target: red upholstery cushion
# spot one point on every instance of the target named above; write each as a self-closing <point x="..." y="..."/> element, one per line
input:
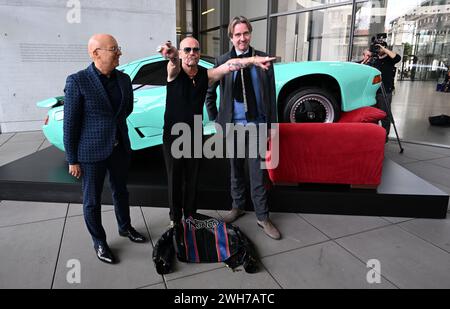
<point x="333" y="153"/>
<point x="363" y="114"/>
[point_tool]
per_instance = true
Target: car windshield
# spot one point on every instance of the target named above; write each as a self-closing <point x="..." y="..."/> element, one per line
<point x="152" y="75"/>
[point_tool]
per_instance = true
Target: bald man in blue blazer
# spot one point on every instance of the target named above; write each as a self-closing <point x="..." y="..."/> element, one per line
<point x="98" y="101"/>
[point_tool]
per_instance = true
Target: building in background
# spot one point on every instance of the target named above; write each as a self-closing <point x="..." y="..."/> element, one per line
<point x="305" y="30"/>
<point x="424" y="34"/>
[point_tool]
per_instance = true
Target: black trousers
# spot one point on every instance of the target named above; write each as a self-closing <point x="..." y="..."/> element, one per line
<point x="182" y="178"/>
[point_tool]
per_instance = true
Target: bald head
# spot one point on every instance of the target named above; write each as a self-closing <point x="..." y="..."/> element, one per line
<point x="189" y="52"/>
<point x="105" y="52"/>
<point x="189" y="42"/>
<point x="100" y="41"/>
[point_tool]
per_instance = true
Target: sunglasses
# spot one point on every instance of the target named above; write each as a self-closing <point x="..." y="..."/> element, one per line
<point x="187" y="50"/>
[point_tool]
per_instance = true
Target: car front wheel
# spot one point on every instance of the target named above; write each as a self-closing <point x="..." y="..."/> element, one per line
<point x="311" y="105"/>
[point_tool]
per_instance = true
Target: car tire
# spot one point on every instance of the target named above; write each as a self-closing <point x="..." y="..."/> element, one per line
<point x="311" y="105"/>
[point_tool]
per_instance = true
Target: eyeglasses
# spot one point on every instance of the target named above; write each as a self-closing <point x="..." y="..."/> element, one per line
<point x="187" y="50"/>
<point x="245" y="34"/>
<point x="114" y="49"/>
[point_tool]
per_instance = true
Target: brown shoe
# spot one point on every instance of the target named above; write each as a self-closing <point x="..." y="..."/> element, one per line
<point x="269" y="229"/>
<point x="233" y="215"/>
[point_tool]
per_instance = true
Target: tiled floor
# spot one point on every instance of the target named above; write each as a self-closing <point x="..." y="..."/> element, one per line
<point x="412" y="104"/>
<point x="39" y="241"/>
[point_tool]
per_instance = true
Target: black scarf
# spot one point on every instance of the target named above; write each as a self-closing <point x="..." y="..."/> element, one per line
<point x="238" y="94"/>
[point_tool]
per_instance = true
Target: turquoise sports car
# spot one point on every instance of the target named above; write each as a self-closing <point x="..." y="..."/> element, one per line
<point x="306" y="92"/>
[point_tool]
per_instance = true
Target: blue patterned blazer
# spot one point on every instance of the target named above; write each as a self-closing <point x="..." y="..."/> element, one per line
<point x="90" y="123"/>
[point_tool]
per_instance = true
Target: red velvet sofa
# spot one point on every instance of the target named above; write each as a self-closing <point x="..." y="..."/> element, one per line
<point x="348" y="152"/>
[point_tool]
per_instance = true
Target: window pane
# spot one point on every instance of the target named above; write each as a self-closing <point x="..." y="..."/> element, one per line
<point x="151" y="75"/>
<point x="210" y="43"/>
<point x="259" y="35"/>
<point x="184" y="19"/>
<point x="210" y="14"/>
<point x="292" y="5"/>
<point x="248" y="8"/>
<point x="317" y="35"/>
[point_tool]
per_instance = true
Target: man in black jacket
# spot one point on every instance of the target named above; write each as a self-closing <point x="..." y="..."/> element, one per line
<point x="247" y="97"/>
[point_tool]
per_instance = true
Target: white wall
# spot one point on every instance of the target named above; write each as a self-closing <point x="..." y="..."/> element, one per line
<point x="39" y="47"/>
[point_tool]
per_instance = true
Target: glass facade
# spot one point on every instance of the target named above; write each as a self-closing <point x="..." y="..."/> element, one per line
<point x="248" y="8"/>
<point x="305" y="30"/>
<point x="314" y="35"/>
<point x="210" y="14"/>
<point x="210" y="45"/>
<point x="422" y="36"/>
<point x="281" y="6"/>
<point x="185" y="14"/>
<point x="417" y="30"/>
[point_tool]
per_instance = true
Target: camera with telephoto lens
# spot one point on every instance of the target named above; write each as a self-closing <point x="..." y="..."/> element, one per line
<point x="379" y="39"/>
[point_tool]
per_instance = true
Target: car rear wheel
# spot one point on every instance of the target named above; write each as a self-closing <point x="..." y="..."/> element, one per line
<point x="311" y="105"/>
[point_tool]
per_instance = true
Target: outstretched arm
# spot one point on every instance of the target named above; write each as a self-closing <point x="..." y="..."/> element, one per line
<point x="211" y="99"/>
<point x="170" y="53"/>
<point x="236" y="64"/>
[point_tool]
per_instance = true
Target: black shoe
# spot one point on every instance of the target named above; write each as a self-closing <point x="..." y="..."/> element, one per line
<point x="105" y="255"/>
<point x="133" y="235"/>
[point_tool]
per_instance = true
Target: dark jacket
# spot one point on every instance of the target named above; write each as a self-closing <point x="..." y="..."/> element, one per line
<point x="225" y="113"/>
<point x="90" y="123"/>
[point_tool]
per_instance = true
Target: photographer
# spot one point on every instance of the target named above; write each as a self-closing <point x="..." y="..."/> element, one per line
<point x="384" y="60"/>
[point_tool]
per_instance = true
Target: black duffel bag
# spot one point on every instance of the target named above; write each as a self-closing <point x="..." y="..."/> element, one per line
<point x="441" y="120"/>
<point x="203" y="239"/>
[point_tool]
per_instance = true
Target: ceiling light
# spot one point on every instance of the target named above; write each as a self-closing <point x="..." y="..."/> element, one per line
<point x="208" y="11"/>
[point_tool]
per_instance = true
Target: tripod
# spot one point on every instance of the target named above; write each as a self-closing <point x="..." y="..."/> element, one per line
<point x="391" y="117"/>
